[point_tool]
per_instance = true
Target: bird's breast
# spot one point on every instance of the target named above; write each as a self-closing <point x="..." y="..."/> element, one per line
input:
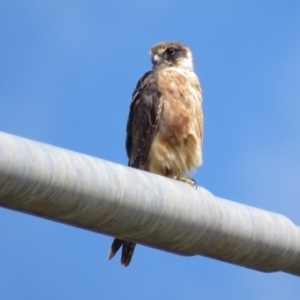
<point x="176" y="148"/>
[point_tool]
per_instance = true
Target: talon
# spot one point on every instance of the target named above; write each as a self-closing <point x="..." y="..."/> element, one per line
<point x="189" y="181"/>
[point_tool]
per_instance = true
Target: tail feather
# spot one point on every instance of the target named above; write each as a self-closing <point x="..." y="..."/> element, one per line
<point x="127" y="251"/>
<point x="115" y="246"/>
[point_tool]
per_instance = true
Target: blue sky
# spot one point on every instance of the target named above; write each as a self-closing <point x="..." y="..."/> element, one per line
<point x="68" y="69"/>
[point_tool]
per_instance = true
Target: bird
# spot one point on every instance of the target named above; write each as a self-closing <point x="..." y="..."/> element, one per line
<point x="164" y="130"/>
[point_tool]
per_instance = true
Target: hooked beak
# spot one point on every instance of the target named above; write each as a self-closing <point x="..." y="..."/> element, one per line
<point x="156" y="59"/>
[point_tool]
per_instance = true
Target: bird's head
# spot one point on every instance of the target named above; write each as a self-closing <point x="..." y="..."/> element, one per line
<point x="171" y="54"/>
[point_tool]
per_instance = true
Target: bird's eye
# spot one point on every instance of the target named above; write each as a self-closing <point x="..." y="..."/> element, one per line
<point x="171" y="51"/>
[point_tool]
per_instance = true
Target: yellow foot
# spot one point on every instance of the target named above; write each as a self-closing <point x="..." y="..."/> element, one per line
<point x="189" y="181"/>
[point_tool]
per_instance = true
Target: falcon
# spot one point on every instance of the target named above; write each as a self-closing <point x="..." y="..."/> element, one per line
<point x="165" y="123"/>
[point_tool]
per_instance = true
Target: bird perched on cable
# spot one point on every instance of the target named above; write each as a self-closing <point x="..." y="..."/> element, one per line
<point x="165" y="123"/>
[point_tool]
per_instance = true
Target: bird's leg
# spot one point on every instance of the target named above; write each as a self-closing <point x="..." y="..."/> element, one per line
<point x="189" y="181"/>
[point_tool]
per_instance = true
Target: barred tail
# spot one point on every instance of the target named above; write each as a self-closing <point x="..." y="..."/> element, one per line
<point x="127" y="251"/>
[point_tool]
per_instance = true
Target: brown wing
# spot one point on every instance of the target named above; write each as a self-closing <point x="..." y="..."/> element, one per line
<point x="145" y="113"/>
